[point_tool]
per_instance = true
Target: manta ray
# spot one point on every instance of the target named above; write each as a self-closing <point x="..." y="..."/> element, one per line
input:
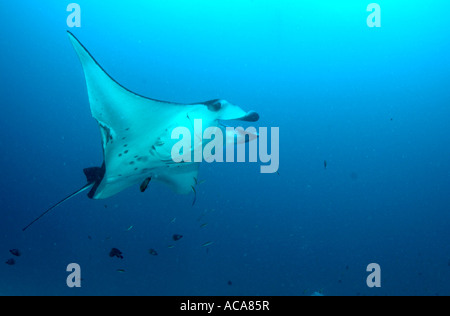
<point x="136" y="134"/>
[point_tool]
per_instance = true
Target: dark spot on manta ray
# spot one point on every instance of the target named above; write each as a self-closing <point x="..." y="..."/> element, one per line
<point x="214" y="105"/>
<point x="127" y="129"/>
<point x="126" y="145"/>
<point x="136" y="169"/>
<point x="131" y="162"/>
<point x="126" y="152"/>
<point x="120" y="155"/>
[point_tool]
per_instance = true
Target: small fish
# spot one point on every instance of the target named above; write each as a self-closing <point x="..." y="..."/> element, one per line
<point x="152" y="252"/>
<point x="209" y="243"/>
<point x="173" y="220"/>
<point x="177" y="237"/>
<point x="121" y="270"/>
<point x="130" y="228"/>
<point x="203" y="225"/>
<point x="11" y="262"/>
<point x="115" y="253"/>
<point x="144" y="184"/>
<point x="15" y="252"/>
<point x="195" y="195"/>
<point x="199" y="182"/>
<point x="171" y="246"/>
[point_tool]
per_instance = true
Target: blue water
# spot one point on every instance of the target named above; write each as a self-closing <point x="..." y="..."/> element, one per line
<point x="373" y="102"/>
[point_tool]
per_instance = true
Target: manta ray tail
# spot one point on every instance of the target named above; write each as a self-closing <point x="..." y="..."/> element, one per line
<point x="93" y="176"/>
<point x="86" y="187"/>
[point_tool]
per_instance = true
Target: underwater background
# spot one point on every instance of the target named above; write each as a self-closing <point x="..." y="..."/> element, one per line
<point x="374" y="103"/>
